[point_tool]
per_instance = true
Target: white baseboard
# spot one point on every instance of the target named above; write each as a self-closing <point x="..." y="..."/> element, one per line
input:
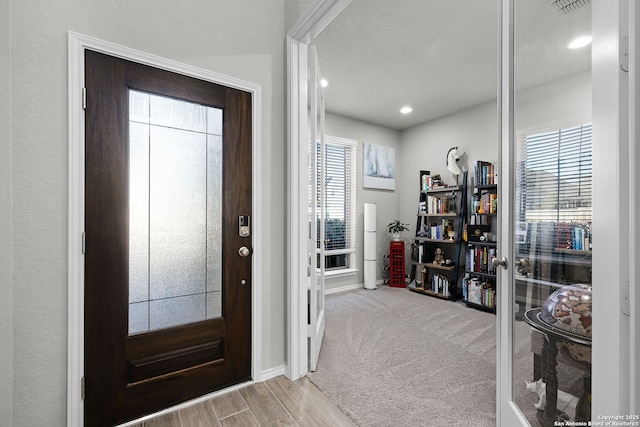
<point x="343" y="288"/>
<point x="273" y="372"/>
<point x="350" y="287"/>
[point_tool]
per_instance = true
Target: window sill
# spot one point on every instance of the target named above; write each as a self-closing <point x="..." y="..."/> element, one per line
<point x="341" y="273"/>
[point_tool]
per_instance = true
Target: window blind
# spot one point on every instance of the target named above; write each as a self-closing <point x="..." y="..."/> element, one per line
<point x="554" y="184"/>
<point x="339" y="199"/>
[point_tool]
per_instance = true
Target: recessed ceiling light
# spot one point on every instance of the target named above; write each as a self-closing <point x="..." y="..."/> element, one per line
<point x="324" y="82"/>
<point x="406" y="110"/>
<point x="580" y="42"/>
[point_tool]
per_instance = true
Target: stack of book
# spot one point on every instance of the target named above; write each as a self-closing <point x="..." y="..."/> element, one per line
<point x="484" y="173"/>
<point x="573" y="236"/>
<point x="438" y="205"/>
<point x="488" y="203"/>
<point x="479" y="259"/>
<point x="440" y="284"/>
<point x="479" y="292"/>
<point x="440" y="231"/>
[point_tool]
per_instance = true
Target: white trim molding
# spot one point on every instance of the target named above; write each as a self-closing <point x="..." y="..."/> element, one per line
<point x="77" y="45"/>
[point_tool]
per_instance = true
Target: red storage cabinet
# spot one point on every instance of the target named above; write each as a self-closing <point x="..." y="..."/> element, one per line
<point x="396" y="264"/>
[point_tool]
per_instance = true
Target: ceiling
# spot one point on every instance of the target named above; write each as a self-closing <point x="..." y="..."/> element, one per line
<point x="439" y="56"/>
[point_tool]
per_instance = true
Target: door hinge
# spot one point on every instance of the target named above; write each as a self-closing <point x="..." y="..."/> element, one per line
<point x="82" y="388"/>
<point x="84" y="98"/>
<point x="310" y="331"/>
<point x="84" y="242"/>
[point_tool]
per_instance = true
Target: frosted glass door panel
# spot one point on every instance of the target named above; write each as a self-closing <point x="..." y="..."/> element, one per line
<point x="177" y="214"/>
<point x="214" y="211"/>
<point x="175" y="232"/>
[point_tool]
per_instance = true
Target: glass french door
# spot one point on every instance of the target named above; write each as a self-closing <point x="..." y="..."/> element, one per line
<point x="545" y="240"/>
<point x="316" y="247"/>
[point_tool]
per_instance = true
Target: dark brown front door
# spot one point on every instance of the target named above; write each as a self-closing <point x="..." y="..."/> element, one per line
<point x="167" y="294"/>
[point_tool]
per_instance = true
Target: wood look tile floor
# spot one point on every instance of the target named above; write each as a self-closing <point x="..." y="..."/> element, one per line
<point x="275" y="402"/>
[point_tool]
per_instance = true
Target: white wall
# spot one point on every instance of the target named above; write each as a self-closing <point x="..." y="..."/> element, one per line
<point x="240" y="39"/>
<point x="562" y="102"/>
<point x="386" y="201"/>
<point x="6" y="304"/>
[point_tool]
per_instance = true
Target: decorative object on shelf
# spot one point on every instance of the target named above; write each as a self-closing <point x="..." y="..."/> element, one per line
<point x="439" y="258"/>
<point x="379" y="168"/>
<point x="453" y="157"/>
<point x="569" y="309"/>
<point x="396" y="228"/>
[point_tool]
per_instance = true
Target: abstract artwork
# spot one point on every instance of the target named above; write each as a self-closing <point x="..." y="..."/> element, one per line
<point x="379" y="167"/>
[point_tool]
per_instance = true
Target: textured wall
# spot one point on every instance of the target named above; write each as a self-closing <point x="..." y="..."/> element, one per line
<point x="240" y="39"/>
<point x="6" y="301"/>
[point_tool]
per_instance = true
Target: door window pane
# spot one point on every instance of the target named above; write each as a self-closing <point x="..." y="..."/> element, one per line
<point x="553" y="193"/>
<point x="175" y="197"/>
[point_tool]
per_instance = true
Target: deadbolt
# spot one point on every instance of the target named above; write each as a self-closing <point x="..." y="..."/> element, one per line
<point x="244" y="251"/>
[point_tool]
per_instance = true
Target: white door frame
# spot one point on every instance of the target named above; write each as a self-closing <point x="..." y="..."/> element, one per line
<point x="75" y="354"/>
<point x="314" y="20"/>
<point x="615" y="184"/>
<point x="616" y="345"/>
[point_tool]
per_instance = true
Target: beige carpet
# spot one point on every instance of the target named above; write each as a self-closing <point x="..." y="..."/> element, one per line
<point x="391" y="357"/>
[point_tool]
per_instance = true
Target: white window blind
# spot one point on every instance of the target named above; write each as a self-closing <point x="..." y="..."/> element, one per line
<point x="554" y="190"/>
<point x="339" y="201"/>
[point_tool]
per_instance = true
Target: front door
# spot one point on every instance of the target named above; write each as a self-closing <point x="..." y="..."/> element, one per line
<point x="168" y="246"/>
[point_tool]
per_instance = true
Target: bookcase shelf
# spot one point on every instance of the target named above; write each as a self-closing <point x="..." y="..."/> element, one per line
<point x="479" y="283"/>
<point x="427" y="239"/>
<point x="442" y="214"/>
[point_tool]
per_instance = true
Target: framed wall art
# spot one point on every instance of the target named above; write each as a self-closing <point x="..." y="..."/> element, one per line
<point x="379" y="167"/>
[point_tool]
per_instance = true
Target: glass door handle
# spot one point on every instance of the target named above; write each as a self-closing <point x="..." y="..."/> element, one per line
<point x="499" y="262"/>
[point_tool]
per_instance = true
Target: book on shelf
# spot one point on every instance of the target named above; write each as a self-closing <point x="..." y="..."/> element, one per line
<point x="484" y="173"/>
<point x="438" y="204"/>
<point x="479" y="292"/>
<point x="479" y="259"/>
<point x="440" y="284"/>
<point x="488" y="203"/>
<point x="441" y="231"/>
<point x="573" y="236"/>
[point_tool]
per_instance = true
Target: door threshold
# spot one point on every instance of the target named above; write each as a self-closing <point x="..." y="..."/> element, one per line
<point x="188" y="403"/>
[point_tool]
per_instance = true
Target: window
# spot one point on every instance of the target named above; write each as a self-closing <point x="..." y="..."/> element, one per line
<point x="339" y="202"/>
<point x="556" y="185"/>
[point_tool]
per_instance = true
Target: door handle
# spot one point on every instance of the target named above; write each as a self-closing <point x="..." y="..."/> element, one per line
<point x="244" y="251"/>
<point x="499" y="262"/>
<point x="522" y="265"/>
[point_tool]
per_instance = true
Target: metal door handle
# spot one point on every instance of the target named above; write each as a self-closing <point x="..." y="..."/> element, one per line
<point x="244" y="251"/>
<point x="499" y="262"/>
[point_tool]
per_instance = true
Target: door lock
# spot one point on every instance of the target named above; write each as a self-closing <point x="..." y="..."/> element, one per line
<point x="244" y="251"/>
<point x="244" y="226"/>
